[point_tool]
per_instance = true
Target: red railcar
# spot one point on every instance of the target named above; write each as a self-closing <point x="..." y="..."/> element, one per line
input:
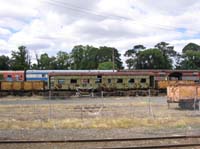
<point x="12" y="75"/>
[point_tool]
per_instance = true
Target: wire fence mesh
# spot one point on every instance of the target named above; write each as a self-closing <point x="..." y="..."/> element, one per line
<point x="151" y="113"/>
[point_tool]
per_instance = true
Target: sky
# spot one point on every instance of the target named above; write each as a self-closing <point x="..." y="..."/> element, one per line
<point x="48" y="26"/>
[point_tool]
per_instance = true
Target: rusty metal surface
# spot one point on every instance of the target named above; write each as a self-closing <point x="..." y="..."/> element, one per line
<point x="100" y="73"/>
<point x="22" y="85"/>
<point x="163" y="84"/>
<point x="6" y="85"/>
<point x="180" y="92"/>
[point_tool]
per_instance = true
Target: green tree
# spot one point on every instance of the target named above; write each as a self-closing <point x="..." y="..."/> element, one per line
<point x="89" y="57"/>
<point x="132" y="54"/>
<point x="152" y="59"/>
<point x="45" y="62"/>
<point x="166" y="49"/>
<point x="4" y="62"/>
<point x="191" y="47"/>
<point x="63" y="60"/>
<point x="106" y="54"/>
<point x="20" y="59"/>
<point x="106" y="66"/>
<point x="84" y="57"/>
<point x="169" y="52"/>
<point x="191" y="60"/>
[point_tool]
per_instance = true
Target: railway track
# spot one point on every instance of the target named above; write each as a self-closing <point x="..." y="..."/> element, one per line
<point x="124" y="143"/>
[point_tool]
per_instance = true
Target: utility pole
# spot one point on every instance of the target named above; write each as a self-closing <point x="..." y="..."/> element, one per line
<point x="113" y="59"/>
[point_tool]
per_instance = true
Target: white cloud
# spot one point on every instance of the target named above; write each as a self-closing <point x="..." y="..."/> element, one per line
<point x="4" y="32"/>
<point x="53" y="25"/>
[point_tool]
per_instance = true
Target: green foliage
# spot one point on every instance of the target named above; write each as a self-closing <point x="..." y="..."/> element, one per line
<point x="156" y="58"/>
<point x="152" y="59"/>
<point x="45" y="62"/>
<point x="89" y="57"/>
<point x="106" y="54"/>
<point x="132" y="56"/>
<point x="20" y="59"/>
<point x="63" y="60"/>
<point x="4" y="62"/>
<point x="166" y="49"/>
<point x="191" y="60"/>
<point x="106" y="66"/>
<point x="191" y="47"/>
<point x="84" y="57"/>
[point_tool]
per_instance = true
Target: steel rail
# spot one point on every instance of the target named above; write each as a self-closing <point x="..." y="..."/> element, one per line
<point x="98" y="140"/>
<point x="153" y="146"/>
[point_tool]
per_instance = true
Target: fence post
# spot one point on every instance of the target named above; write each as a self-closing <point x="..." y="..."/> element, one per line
<point x="49" y="94"/>
<point x="101" y="94"/>
<point x="150" y="109"/>
<point x="199" y="104"/>
<point x="195" y="98"/>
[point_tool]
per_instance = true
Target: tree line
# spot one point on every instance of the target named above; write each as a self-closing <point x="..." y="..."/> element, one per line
<point x="161" y="56"/>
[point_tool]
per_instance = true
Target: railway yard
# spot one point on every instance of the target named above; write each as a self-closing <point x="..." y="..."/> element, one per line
<point x="59" y="121"/>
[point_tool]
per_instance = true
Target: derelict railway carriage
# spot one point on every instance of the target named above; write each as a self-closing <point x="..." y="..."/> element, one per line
<point x="108" y="82"/>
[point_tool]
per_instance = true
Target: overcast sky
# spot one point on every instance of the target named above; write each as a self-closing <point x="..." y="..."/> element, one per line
<point x="53" y="25"/>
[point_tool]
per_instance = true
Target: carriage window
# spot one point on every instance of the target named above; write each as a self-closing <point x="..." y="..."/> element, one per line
<point x="119" y="80"/>
<point x="99" y="78"/>
<point x="61" y="81"/>
<point x="73" y="81"/>
<point x="143" y="80"/>
<point x="85" y="81"/>
<point x="131" y="81"/>
<point x="17" y="77"/>
<point x="109" y="81"/>
<point x="9" y="78"/>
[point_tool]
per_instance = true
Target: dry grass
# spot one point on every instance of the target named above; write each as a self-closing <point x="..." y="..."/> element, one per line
<point x="100" y="123"/>
<point x="113" y="115"/>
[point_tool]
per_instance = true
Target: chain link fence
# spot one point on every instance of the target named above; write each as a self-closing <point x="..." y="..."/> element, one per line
<point x="148" y="113"/>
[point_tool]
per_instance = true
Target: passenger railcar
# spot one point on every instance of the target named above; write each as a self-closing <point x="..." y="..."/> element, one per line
<point x="135" y="82"/>
<point x="12" y="75"/>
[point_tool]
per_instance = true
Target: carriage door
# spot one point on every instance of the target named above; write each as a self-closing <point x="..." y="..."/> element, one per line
<point x="152" y="84"/>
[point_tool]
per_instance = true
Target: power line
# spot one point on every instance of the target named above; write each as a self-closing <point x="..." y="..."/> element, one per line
<point x="94" y="13"/>
<point x="83" y="10"/>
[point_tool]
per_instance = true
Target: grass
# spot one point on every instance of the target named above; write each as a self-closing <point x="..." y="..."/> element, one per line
<point x="100" y="123"/>
<point x="35" y="116"/>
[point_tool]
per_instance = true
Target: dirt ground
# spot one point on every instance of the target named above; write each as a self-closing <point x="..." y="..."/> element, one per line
<point x="90" y="118"/>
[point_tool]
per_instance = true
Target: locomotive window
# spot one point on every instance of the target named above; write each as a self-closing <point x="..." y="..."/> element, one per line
<point x="143" y="80"/>
<point x="109" y="81"/>
<point x="131" y="81"/>
<point x="119" y="80"/>
<point x="43" y="75"/>
<point x="61" y="81"/>
<point x="73" y="81"/>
